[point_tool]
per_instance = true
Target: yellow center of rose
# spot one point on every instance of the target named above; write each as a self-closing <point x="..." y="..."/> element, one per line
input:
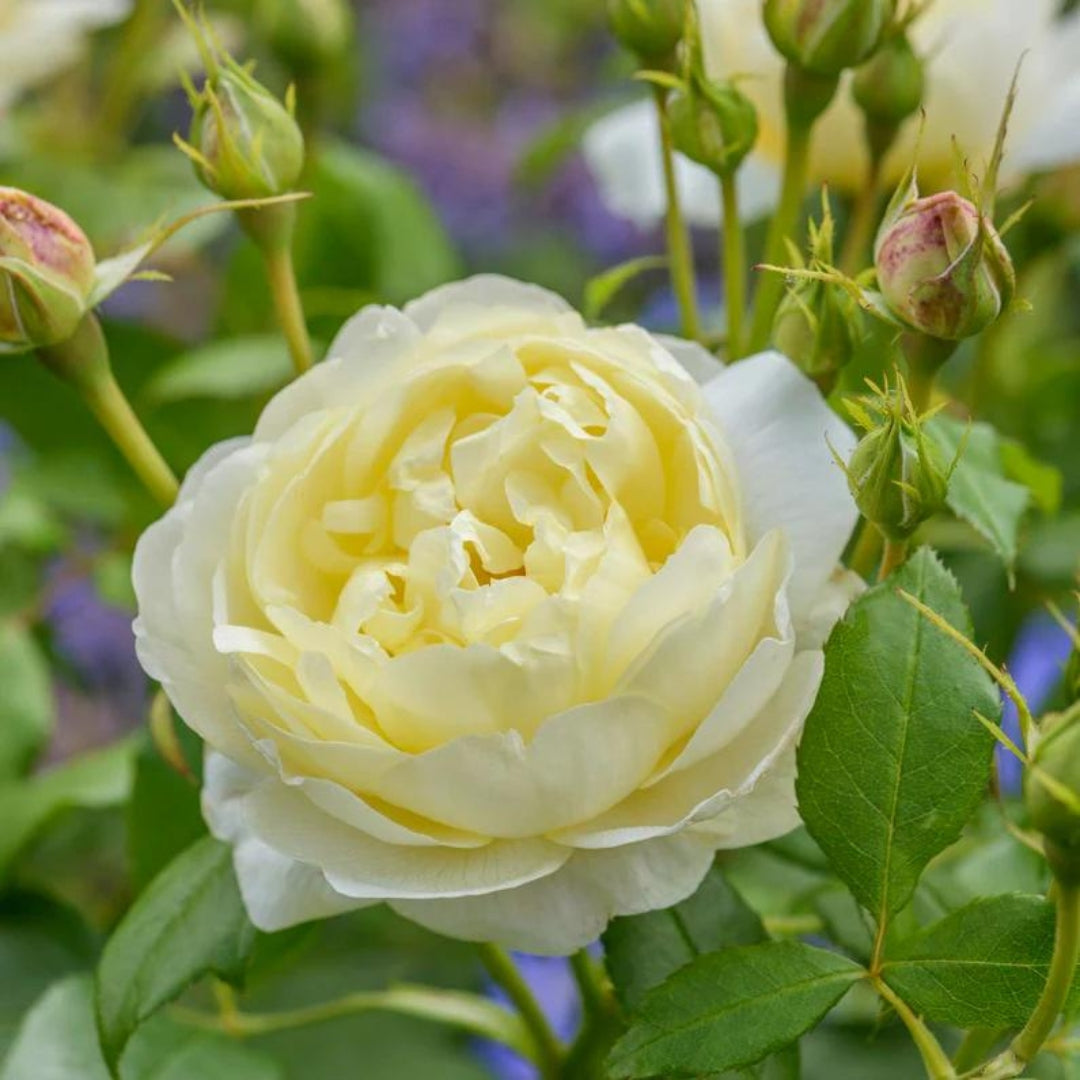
<point x="494" y="507"/>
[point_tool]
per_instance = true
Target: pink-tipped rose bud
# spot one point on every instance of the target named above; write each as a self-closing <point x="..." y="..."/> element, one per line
<point x="46" y="273"/>
<point x="943" y="269"/>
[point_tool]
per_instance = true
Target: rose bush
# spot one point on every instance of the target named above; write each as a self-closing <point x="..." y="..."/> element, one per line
<point x="501" y="619"/>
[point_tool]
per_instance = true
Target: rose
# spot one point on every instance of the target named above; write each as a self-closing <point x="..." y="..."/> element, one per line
<point x="501" y="619"/>
<point x="970" y="47"/>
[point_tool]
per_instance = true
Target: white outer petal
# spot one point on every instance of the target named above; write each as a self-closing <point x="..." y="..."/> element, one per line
<point x="568" y="910"/>
<point x="486" y="291"/>
<point x="779" y="429"/>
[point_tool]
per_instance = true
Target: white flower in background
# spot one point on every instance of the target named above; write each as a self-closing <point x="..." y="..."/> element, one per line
<point x="971" y="48"/>
<point x="41" y="37"/>
<point x="500" y="619"/>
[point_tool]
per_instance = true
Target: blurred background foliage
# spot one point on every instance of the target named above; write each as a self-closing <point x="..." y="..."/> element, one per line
<point x="445" y="140"/>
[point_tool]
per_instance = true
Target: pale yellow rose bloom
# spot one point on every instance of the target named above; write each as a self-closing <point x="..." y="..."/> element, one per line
<point x="501" y="619"/>
<point x="41" y="37"/>
<point x="971" y="49"/>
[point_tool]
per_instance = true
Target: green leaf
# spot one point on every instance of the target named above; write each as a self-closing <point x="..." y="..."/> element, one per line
<point x="94" y="781"/>
<point x="730" y="1009"/>
<point x="27" y="709"/>
<point x="602" y="289"/>
<point x="982" y="966"/>
<point x="979" y="492"/>
<point x="235" y="368"/>
<point x="1045" y="482"/>
<point x="643" y="950"/>
<point x="893" y="763"/>
<point x="57" y="1041"/>
<point x="189" y="922"/>
<point x="163" y="816"/>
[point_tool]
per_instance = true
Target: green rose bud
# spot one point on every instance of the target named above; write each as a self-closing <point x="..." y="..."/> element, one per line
<point x="817" y="324"/>
<point x="827" y="36"/>
<point x="942" y="268"/>
<point x="46" y="273"/>
<point x="896" y="474"/>
<point x="816" y="327"/>
<point x="307" y="33"/>
<point x="650" y="28"/>
<point x="1052" y="791"/>
<point x="245" y="144"/>
<point x="889" y="87"/>
<point x="713" y="124"/>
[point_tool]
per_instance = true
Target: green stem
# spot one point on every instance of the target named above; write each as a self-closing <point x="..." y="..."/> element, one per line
<point x="83" y="362"/>
<point x="937" y="1063"/>
<point x="1060" y="978"/>
<point x="116" y="416"/>
<point x="866" y="555"/>
<point x="974" y="1047"/>
<point x="925" y="357"/>
<point x="678" y="238"/>
<point x="271" y="228"/>
<point x="458" y="1009"/>
<point x="770" y="289"/>
<point x="896" y="553"/>
<point x="596" y="996"/>
<point x="281" y="275"/>
<point x="503" y="970"/>
<point x="860" y="231"/>
<point x="734" y="266"/>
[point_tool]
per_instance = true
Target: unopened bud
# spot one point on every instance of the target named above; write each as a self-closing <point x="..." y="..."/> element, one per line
<point x="827" y="36"/>
<point x="714" y="124"/>
<point x="46" y="273"/>
<point x="649" y="28"/>
<point x="245" y="144"/>
<point x="896" y="474"/>
<point x="817" y="323"/>
<point x="889" y="86"/>
<point x="942" y="268"/>
<point x="1052" y="791"/>
<point x="307" y="33"/>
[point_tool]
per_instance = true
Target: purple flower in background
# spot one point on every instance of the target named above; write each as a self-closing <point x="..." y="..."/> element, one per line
<point x="1036" y="664"/>
<point x="551" y="981"/>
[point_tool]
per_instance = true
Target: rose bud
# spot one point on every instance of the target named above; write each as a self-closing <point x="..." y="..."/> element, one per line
<point x="827" y="36"/>
<point x="244" y="142"/>
<point x="1052" y="791"/>
<point x="306" y="34"/>
<point x="817" y="324"/>
<point x="46" y="273"/>
<point x="896" y="473"/>
<point x="889" y="87"/>
<point x="650" y="28"/>
<point x="942" y="268"/>
<point x="714" y="124"/>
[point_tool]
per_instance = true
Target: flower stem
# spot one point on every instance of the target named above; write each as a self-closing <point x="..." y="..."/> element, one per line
<point x="502" y="969"/>
<point x="465" y="1011"/>
<point x="771" y="286"/>
<point x="734" y="266"/>
<point x="867" y="552"/>
<point x="678" y="238"/>
<point x="975" y="1045"/>
<point x="83" y="362"/>
<point x="271" y="228"/>
<point x="596" y="995"/>
<point x="863" y="219"/>
<point x="896" y="553"/>
<point x="937" y="1063"/>
<point x="1058" y="982"/>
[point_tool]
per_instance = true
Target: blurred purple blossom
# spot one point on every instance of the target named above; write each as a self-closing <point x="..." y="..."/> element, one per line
<point x="1036" y="664"/>
<point x="458" y="94"/>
